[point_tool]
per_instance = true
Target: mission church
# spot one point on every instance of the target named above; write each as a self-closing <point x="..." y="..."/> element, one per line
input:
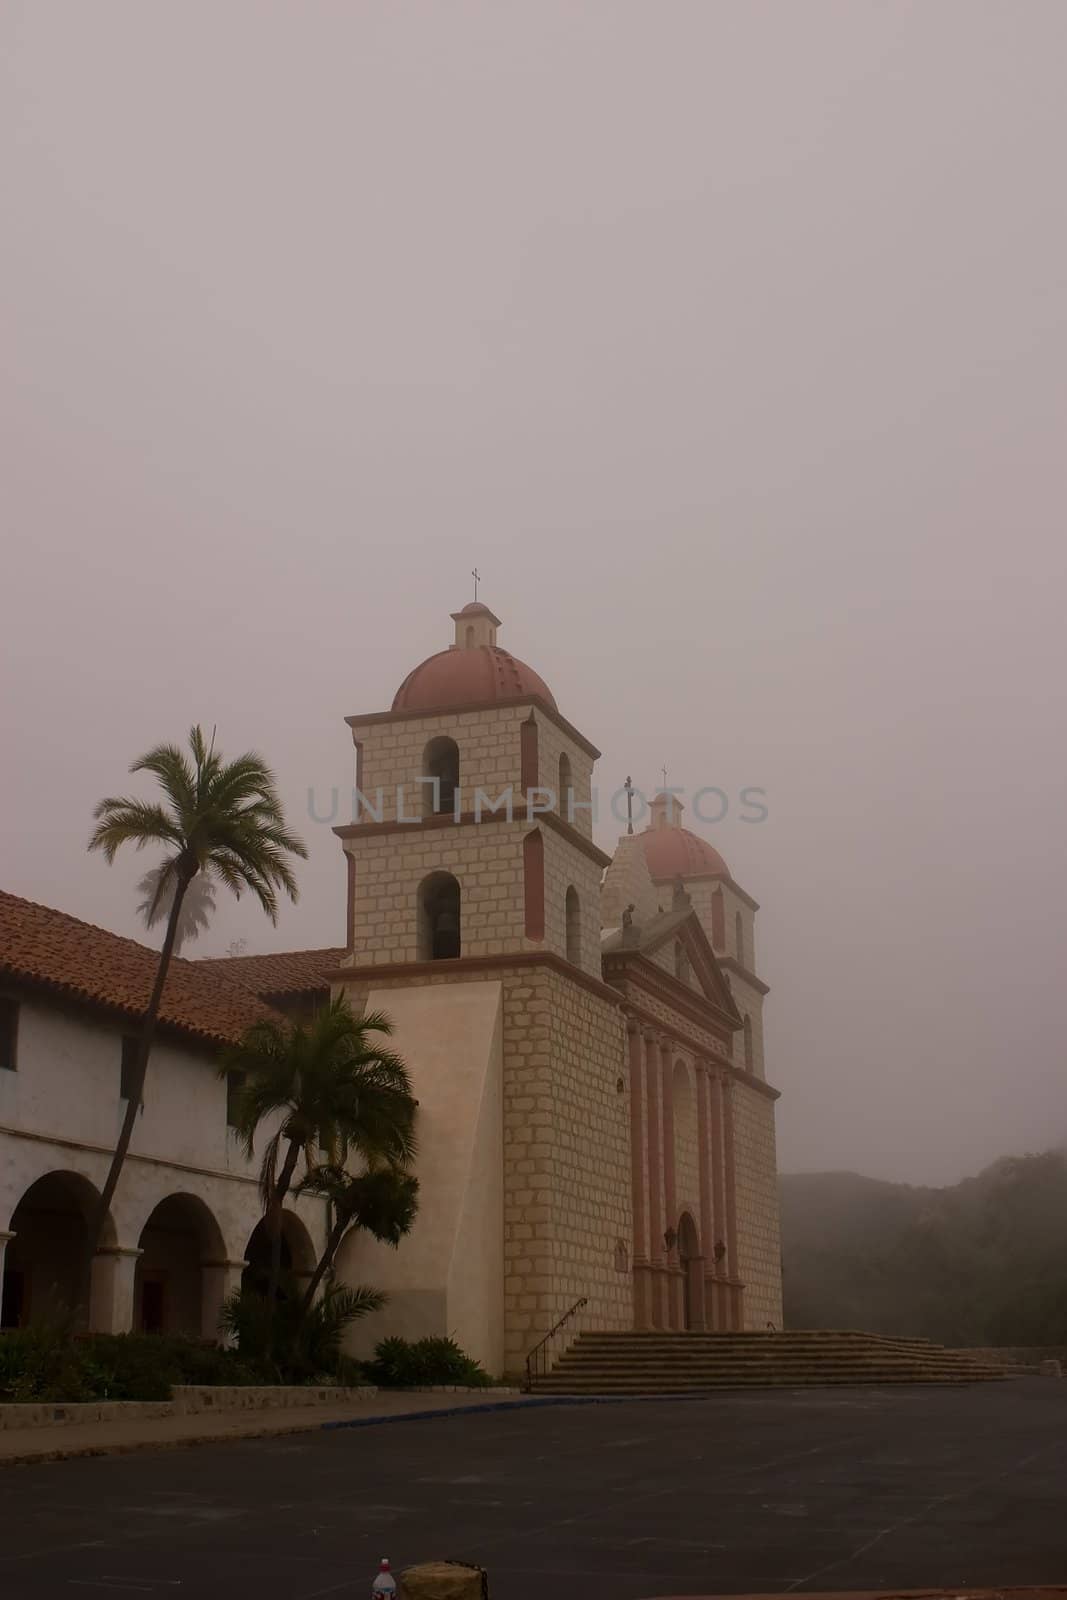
<point x="584" y="1033"/>
<point x="585" y="1030"/>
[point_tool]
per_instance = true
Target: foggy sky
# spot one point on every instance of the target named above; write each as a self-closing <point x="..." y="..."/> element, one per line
<point x="729" y="342"/>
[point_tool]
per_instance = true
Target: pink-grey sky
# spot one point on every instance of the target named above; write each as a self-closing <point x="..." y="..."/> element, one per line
<point x="729" y="341"/>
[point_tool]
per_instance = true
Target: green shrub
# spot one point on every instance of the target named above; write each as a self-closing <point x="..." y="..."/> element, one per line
<point x="289" y="1347"/>
<point x="400" y="1364"/>
<point x="45" y="1364"/>
<point x="41" y="1364"/>
<point x="130" y="1366"/>
<point x="49" y="1364"/>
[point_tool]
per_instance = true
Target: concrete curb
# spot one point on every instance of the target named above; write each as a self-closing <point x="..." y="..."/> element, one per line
<point x="129" y="1447"/>
<point x="279" y="1429"/>
<point x="187" y="1400"/>
<point x="521" y="1402"/>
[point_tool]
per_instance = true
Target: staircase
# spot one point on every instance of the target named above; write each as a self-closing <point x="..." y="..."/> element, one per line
<point x="688" y="1363"/>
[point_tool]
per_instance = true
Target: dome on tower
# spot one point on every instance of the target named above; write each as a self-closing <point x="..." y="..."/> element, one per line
<point x="474" y="671"/>
<point x="671" y="851"/>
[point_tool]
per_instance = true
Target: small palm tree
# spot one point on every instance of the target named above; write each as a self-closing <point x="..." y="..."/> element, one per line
<point x="309" y="1346"/>
<point x="157" y="898"/>
<point x="382" y="1200"/>
<point x="334" y="1086"/>
<point x="223" y="818"/>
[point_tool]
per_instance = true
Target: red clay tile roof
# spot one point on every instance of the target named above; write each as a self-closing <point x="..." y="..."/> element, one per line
<point x="76" y="959"/>
<point x="286" y="972"/>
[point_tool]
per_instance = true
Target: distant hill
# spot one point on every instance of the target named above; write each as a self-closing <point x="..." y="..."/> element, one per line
<point x="981" y="1263"/>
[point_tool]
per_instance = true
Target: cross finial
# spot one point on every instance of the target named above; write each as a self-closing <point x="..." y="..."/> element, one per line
<point x="629" y="787"/>
<point x="476" y="575"/>
<point x="664" y="772"/>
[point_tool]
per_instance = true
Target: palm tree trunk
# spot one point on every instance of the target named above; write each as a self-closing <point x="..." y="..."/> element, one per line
<point x="333" y="1241"/>
<point x="133" y="1105"/>
<point x="281" y="1189"/>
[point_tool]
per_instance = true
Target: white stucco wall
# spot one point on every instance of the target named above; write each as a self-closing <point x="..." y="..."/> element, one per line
<point x="61" y="1112"/>
<point x="447" y="1277"/>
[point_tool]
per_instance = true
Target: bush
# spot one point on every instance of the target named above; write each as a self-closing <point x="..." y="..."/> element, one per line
<point x="399" y="1364"/>
<point x="45" y="1364"/>
<point x="50" y="1364"/>
<point x="41" y="1364"/>
<point x="130" y="1366"/>
<point x="288" y="1347"/>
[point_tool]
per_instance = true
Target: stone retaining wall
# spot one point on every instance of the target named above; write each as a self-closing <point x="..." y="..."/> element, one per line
<point x="188" y="1400"/>
<point x="197" y="1399"/>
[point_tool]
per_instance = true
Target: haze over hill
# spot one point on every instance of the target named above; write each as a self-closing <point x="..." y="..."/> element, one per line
<point x="983" y="1262"/>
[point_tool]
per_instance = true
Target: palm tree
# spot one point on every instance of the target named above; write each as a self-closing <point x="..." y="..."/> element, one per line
<point x="382" y="1200"/>
<point x="333" y="1087"/>
<point x="157" y="897"/>
<point x="223" y="818"/>
<point x="308" y="1346"/>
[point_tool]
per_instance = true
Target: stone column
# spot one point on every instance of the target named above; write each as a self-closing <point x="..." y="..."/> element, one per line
<point x="218" y="1280"/>
<point x="718" y="1204"/>
<point x="5" y="1235"/>
<point x="674" y="1291"/>
<point x="656" y="1246"/>
<point x="638" y="1182"/>
<point x="111" y="1290"/>
<point x="707" y="1212"/>
<point x="730" y="1180"/>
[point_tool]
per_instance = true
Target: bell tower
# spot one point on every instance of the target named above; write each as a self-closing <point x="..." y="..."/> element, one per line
<point x="472" y="828"/>
<point x="474" y="925"/>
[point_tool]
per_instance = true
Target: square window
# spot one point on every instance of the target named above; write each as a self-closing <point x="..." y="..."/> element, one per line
<point x="9" y="1032"/>
<point x="129" y="1062"/>
<point x="234" y="1084"/>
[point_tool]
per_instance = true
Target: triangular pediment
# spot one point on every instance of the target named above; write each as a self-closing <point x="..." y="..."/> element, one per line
<point x="681" y="925"/>
<point x="707" y="976"/>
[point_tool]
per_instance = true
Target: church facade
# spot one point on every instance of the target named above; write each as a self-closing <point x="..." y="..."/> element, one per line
<point x="584" y="1030"/>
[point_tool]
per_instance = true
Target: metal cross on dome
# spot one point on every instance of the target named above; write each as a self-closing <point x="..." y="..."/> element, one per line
<point x="476" y="575"/>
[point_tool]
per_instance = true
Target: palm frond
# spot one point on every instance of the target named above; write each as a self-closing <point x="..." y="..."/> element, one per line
<point x="120" y="820"/>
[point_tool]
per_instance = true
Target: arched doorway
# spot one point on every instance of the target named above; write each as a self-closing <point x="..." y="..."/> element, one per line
<point x="692" y="1265"/>
<point x="298" y="1254"/>
<point x="43" y="1262"/>
<point x="180" y="1239"/>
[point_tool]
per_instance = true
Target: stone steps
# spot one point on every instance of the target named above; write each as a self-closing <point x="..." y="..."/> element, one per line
<point x="685" y="1363"/>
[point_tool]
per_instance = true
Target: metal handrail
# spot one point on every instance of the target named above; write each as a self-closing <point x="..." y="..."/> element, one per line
<point x="538" y="1353"/>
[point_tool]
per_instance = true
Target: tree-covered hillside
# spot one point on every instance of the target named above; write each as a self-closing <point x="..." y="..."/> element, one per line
<point x="982" y="1263"/>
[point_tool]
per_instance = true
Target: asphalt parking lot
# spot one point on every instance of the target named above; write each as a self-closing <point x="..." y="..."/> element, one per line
<point x="773" y="1491"/>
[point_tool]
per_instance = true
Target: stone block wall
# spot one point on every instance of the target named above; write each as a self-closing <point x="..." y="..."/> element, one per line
<point x="759" y="1248"/>
<point x="566" y="1149"/>
<point x="490" y="758"/>
<point x="749" y="1002"/>
<point x="583" y="1145"/>
<point x="393" y="755"/>
<point x="627" y="882"/>
<point x="553" y="742"/>
<point x="486" y="860"/>
<point x="567" y="866"/>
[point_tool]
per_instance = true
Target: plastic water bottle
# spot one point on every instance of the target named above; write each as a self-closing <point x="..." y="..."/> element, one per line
<point x="384" y="1585"/>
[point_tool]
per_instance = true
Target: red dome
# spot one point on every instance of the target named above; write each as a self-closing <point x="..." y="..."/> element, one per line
<point x="673" y="852"/>
<point x="471" y="677"/>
